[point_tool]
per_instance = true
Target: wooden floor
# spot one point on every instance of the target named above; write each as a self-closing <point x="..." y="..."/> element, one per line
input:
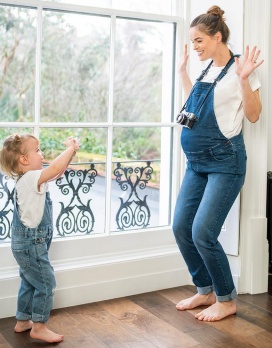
<point x="151" y="320"/>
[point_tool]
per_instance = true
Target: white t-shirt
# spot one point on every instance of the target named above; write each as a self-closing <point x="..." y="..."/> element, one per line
<point x="228" y="98"/>
<point x="31" y="201"/>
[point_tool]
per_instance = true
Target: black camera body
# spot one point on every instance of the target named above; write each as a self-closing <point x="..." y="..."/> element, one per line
<point x="186" y="119"/>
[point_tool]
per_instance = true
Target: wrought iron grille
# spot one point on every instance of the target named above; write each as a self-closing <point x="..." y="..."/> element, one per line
<point x="134" y="211"/>
<point x="6" y="206"/>
<point x="76" y="201"/>
<point x="76" y="216"/>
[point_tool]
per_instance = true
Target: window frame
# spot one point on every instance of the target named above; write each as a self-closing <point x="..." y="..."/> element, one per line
<point x="127" y="242"/>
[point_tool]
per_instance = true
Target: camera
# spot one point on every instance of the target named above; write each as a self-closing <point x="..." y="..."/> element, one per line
<point x="186" y="119"/>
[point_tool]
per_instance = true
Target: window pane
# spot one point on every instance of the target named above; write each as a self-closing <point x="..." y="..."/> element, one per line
<point x="79" y="196"/>
<point x="75" y="67"/>
<point x="141" y="189"/>
<point x="150" y="6"/>
<point x="17" y="63"/>
<point x="143" y="71"/>
<point x="5" y="132"/>
<point x="95" y="3"/>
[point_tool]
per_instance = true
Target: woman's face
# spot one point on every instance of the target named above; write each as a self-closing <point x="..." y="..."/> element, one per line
<point x="203" y="44"/>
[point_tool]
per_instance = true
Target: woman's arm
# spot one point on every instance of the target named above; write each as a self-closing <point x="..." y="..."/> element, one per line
<point x="185" y="80"/>
<point x="251" y="100"/>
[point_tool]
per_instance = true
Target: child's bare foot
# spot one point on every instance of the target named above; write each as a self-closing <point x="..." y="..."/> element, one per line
<point x="217" y="311"/>
<point x="196" y="301"/>
<point x="41" y="332"/>
<point x="23" y="325"/>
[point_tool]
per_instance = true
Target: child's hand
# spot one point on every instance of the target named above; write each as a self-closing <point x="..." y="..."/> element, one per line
<point x="72" y="142"/>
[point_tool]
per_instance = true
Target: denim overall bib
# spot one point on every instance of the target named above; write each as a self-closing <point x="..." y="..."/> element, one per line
<point x="205" y="147"/>
<point x="30" y="248"/>
<point x="214" y="176"/>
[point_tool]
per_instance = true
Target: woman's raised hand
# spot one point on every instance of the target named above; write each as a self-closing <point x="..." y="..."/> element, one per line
<point x="183" y="60"/>
<point x="245" y="66"/>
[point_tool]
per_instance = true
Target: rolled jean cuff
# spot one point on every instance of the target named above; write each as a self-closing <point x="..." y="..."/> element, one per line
<point x="205" y="290"/>
<point x="39" y="318"/>
<point x="226" y="298"/>
<point x="22" y="316"/>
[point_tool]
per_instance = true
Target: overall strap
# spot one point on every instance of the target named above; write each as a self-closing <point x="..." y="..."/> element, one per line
<point x="219" y="77"/>
<point x="226" y="68"/>
<point x="204" y="72"/>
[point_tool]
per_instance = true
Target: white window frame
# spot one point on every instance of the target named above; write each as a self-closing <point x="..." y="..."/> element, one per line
<point x="93" y="268"/>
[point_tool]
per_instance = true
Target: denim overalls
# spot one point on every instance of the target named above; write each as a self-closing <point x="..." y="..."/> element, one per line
<point x="30" y="249"/>
<point x="214" y="176"/>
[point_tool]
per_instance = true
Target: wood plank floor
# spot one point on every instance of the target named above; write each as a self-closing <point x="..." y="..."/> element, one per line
<point x="150" y="320"/>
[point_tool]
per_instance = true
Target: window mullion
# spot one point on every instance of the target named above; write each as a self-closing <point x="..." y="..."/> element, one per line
<point x="110" y="128"/>
<point x="37" y="114"/>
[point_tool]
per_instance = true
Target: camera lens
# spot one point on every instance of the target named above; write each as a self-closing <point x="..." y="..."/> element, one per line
<point x="180" y="118"/>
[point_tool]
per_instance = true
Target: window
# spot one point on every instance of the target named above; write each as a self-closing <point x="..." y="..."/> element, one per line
<point x="18" y="27"/>
<point x="105" y="76"/>
<point x="150" y="6"/>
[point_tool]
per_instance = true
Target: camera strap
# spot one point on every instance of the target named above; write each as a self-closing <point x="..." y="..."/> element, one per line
<point x="219" y="77"/>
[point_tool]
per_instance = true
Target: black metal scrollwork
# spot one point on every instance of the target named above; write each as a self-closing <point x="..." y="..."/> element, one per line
<point x="77" y="216"/>
<point x="6" y="211"/>
<point x="134" y="212"/>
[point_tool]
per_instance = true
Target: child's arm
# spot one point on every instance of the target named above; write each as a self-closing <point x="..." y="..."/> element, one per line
<point x="76" y="140"/>
<point x="59" y="165"/>
<point x="61" y="173"/>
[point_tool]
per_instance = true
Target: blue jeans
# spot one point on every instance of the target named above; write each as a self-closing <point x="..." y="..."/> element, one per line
<point x="35" y="297"/>
<point x="202" y="206"/>
<point x="30" y="248"/>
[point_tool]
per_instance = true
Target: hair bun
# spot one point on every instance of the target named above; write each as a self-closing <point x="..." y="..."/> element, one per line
<point x="216" y="10"/>
<point x="17" y="138"/>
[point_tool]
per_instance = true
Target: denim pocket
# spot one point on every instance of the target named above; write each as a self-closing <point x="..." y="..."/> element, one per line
<point x="223" y="152"/>
<point x="22" y="257"/>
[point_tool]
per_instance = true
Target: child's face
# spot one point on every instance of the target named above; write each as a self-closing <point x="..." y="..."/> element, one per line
<point x="33" y="155"/>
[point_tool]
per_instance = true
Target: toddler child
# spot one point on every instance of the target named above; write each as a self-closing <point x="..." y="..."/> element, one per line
<point x="32" y="228"/>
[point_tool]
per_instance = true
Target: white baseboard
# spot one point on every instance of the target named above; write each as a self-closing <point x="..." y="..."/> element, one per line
<point x="95" y="292"/>
<point x="81" y="283"/>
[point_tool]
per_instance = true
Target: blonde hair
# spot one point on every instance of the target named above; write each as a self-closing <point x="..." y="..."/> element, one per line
<point x="13" y="148"/>
<point x="212" y="22"/>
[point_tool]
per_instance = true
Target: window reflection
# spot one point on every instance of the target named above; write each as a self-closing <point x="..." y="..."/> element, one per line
<point x="17" y="63"/>
<point x="75" y="67"/>
<point x="141" y="55"/>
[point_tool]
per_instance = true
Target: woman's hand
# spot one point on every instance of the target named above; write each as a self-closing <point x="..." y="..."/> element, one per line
<point x="183" y="60"/>
<point x="185" y="80"/>
<point x="244" y="67"/>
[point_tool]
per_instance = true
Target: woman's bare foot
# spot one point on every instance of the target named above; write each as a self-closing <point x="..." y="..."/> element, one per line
<point x="23" y="325"/>
<point x="41" y="332"/>
<point x="196" y="301"/>
<point x="217" y="311"/>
